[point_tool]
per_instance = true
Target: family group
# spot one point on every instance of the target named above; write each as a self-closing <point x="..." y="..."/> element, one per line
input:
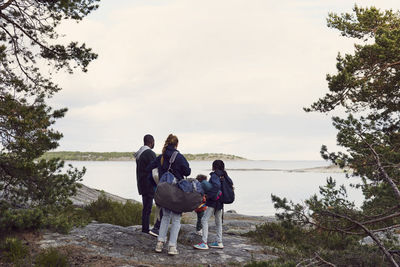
<point x="146" y="162"/>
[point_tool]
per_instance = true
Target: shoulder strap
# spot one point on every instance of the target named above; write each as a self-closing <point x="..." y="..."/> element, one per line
<point x="172" y="159"/>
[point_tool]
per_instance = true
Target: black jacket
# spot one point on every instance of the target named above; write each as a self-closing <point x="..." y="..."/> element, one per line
<point x="144" y="184"/>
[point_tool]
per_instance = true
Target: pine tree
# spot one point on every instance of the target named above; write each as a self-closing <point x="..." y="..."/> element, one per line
<point x="28" y="39"/>
<point x="367" y="87"/>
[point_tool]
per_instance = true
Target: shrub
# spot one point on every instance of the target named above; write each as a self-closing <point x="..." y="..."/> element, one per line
<point x="296" y="244"/>
<point x="38" y="218"/>
<point x="50" y="258"/>
<point x="13" y="250"/>
<point x="108" y="211"/>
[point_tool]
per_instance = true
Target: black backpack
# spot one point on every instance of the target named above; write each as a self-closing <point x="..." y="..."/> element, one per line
<point x="228" y="194"/>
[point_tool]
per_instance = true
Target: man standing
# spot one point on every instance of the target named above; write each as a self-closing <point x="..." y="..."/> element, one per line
<point x="144" y="156"/>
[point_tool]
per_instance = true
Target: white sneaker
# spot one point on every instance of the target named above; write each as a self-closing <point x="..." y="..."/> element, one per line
<point x="200" y="232"/>
<point x="172" y="250"/>
<point x="159" y="246"/>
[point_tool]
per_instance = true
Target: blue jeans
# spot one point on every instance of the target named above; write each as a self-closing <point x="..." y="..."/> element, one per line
<point x="175" y="219"/>
<point x="218" y="223"/>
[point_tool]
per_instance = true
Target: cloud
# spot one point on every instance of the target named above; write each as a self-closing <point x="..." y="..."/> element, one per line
<point x="217" y="73"/>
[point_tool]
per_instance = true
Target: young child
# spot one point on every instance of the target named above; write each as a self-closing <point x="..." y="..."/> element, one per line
<point x="214" y="206"/>
<point x="200" y="210"/>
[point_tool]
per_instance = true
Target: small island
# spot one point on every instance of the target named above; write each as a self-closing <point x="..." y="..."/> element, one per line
<point x="127" y="156"/>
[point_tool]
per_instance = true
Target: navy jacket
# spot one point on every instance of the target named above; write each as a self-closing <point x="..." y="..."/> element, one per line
<point x="180" y="167"/>
<point x="212" y="194"/>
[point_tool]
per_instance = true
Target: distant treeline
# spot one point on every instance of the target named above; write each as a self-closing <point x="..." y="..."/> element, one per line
<point x="126" y="156"/>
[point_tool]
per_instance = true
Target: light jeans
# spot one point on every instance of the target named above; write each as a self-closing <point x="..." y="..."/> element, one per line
<point x="175" y="219"/>
<point x="218" y="223"/>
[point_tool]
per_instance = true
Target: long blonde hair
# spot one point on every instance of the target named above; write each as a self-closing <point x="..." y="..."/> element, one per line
<point x="171" y="140"/>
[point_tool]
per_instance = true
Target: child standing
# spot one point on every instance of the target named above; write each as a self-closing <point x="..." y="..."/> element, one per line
<point x="214" y="206"/>
<point x="200" y="210"/>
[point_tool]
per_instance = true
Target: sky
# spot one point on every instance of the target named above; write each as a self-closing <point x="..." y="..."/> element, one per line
<point x="225" y="76"/>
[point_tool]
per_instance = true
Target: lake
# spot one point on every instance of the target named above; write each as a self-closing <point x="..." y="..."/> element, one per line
<point x="254" y="181"/>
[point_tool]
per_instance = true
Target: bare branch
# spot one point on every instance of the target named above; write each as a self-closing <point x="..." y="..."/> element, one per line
<point x="5" y="5"/>
<point x="324" y="261"/>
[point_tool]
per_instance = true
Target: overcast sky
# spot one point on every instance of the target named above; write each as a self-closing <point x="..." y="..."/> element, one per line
<point x="228" y="76"/>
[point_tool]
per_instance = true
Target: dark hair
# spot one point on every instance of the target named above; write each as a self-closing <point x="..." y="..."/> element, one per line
<point x="148" y="139"/>
<point x="201" y="177"/>
<point x="219" y="165"/>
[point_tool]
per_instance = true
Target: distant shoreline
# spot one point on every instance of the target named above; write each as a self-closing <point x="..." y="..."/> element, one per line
<point x="128" y="156"/>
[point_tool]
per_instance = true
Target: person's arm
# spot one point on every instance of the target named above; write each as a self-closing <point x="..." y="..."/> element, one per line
<point x="184" y="169"/>
<point x="153" y="164"/>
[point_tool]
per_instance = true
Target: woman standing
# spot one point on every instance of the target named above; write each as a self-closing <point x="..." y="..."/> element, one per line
<point x="180" y="168"/>
<point x="214" y="206"/>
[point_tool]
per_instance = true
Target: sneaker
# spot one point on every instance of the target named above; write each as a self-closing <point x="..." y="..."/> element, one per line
<point x="159" y="246"/>
<point x="154" y="232"/>
<point x="216" y="245"/>
<point x="201" y="245"/>
<point x="172" y="250"/>
<point x="200" y="233"/>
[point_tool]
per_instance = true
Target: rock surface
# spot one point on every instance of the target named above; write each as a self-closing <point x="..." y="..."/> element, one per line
<point x="85" y="195"/>
<point x="135" y="248"/>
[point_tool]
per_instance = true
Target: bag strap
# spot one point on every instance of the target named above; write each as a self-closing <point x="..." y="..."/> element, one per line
<point x="172" y="159"/>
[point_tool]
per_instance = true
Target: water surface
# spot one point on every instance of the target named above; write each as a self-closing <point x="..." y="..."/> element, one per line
<point x="254" y="181"/>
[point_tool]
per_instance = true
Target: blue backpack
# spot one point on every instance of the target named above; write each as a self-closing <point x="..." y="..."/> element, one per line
<point x="228" y="194"/>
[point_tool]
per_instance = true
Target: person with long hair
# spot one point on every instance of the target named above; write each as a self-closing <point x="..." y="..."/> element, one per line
<point x="180" y="168"/>
<point x="214" y="206"/>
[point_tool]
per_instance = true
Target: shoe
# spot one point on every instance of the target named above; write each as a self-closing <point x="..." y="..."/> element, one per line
<point x="216" y="245"/>
<point x="200" y="233"/>
<point x="172" y="250"/>
<point x="154" y="232"/>
<point x="201" y="245"/>
<point x="159" y="246"/>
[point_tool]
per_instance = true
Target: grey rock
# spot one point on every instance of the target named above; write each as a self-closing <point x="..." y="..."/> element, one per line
<point x="85" y="195"/>
<point x="130" y="243"/>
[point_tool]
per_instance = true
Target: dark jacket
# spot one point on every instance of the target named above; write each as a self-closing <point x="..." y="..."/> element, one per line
<point x="212" y="194"/>
<point x="180" y="167"/>
<point x="144" y="184"/>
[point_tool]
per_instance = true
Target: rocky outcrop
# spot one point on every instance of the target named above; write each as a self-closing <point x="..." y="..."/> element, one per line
<point x="85" y="195"/>
<point x="128" y="246"/>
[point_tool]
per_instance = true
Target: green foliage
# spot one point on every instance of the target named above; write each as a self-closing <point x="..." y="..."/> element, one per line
<point x="13" y="250"/>
<point x="107" y="211"/>
<point x="300" y="244"/>
<point x="272" y="263"/>
<point x="51" y="257"/>
<point x="38" y="218"/>
<point x="366" y="86"/>
<point x="114" y="156"/>
<point x="26" y="120"/>
<point x="88" y="156"/>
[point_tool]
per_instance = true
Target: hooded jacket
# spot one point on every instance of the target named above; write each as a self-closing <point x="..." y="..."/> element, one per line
<point x="180" y="167"/>
<point x="144" y="156"/>
<point x="212" y="194"/>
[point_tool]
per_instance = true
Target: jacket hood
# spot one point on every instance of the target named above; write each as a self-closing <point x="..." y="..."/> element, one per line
<point x="219" y="173"/>
<point x="140" y="151"/>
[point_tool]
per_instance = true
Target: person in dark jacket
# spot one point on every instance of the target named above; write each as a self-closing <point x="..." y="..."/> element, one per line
<point x="180" y="168"/>
<point x="214" y="206"/>
<point x="144" y="156"/>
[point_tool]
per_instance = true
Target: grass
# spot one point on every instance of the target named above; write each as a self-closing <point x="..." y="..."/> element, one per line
<point x="105" y="210"/>
<point x="51" y="257"/>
